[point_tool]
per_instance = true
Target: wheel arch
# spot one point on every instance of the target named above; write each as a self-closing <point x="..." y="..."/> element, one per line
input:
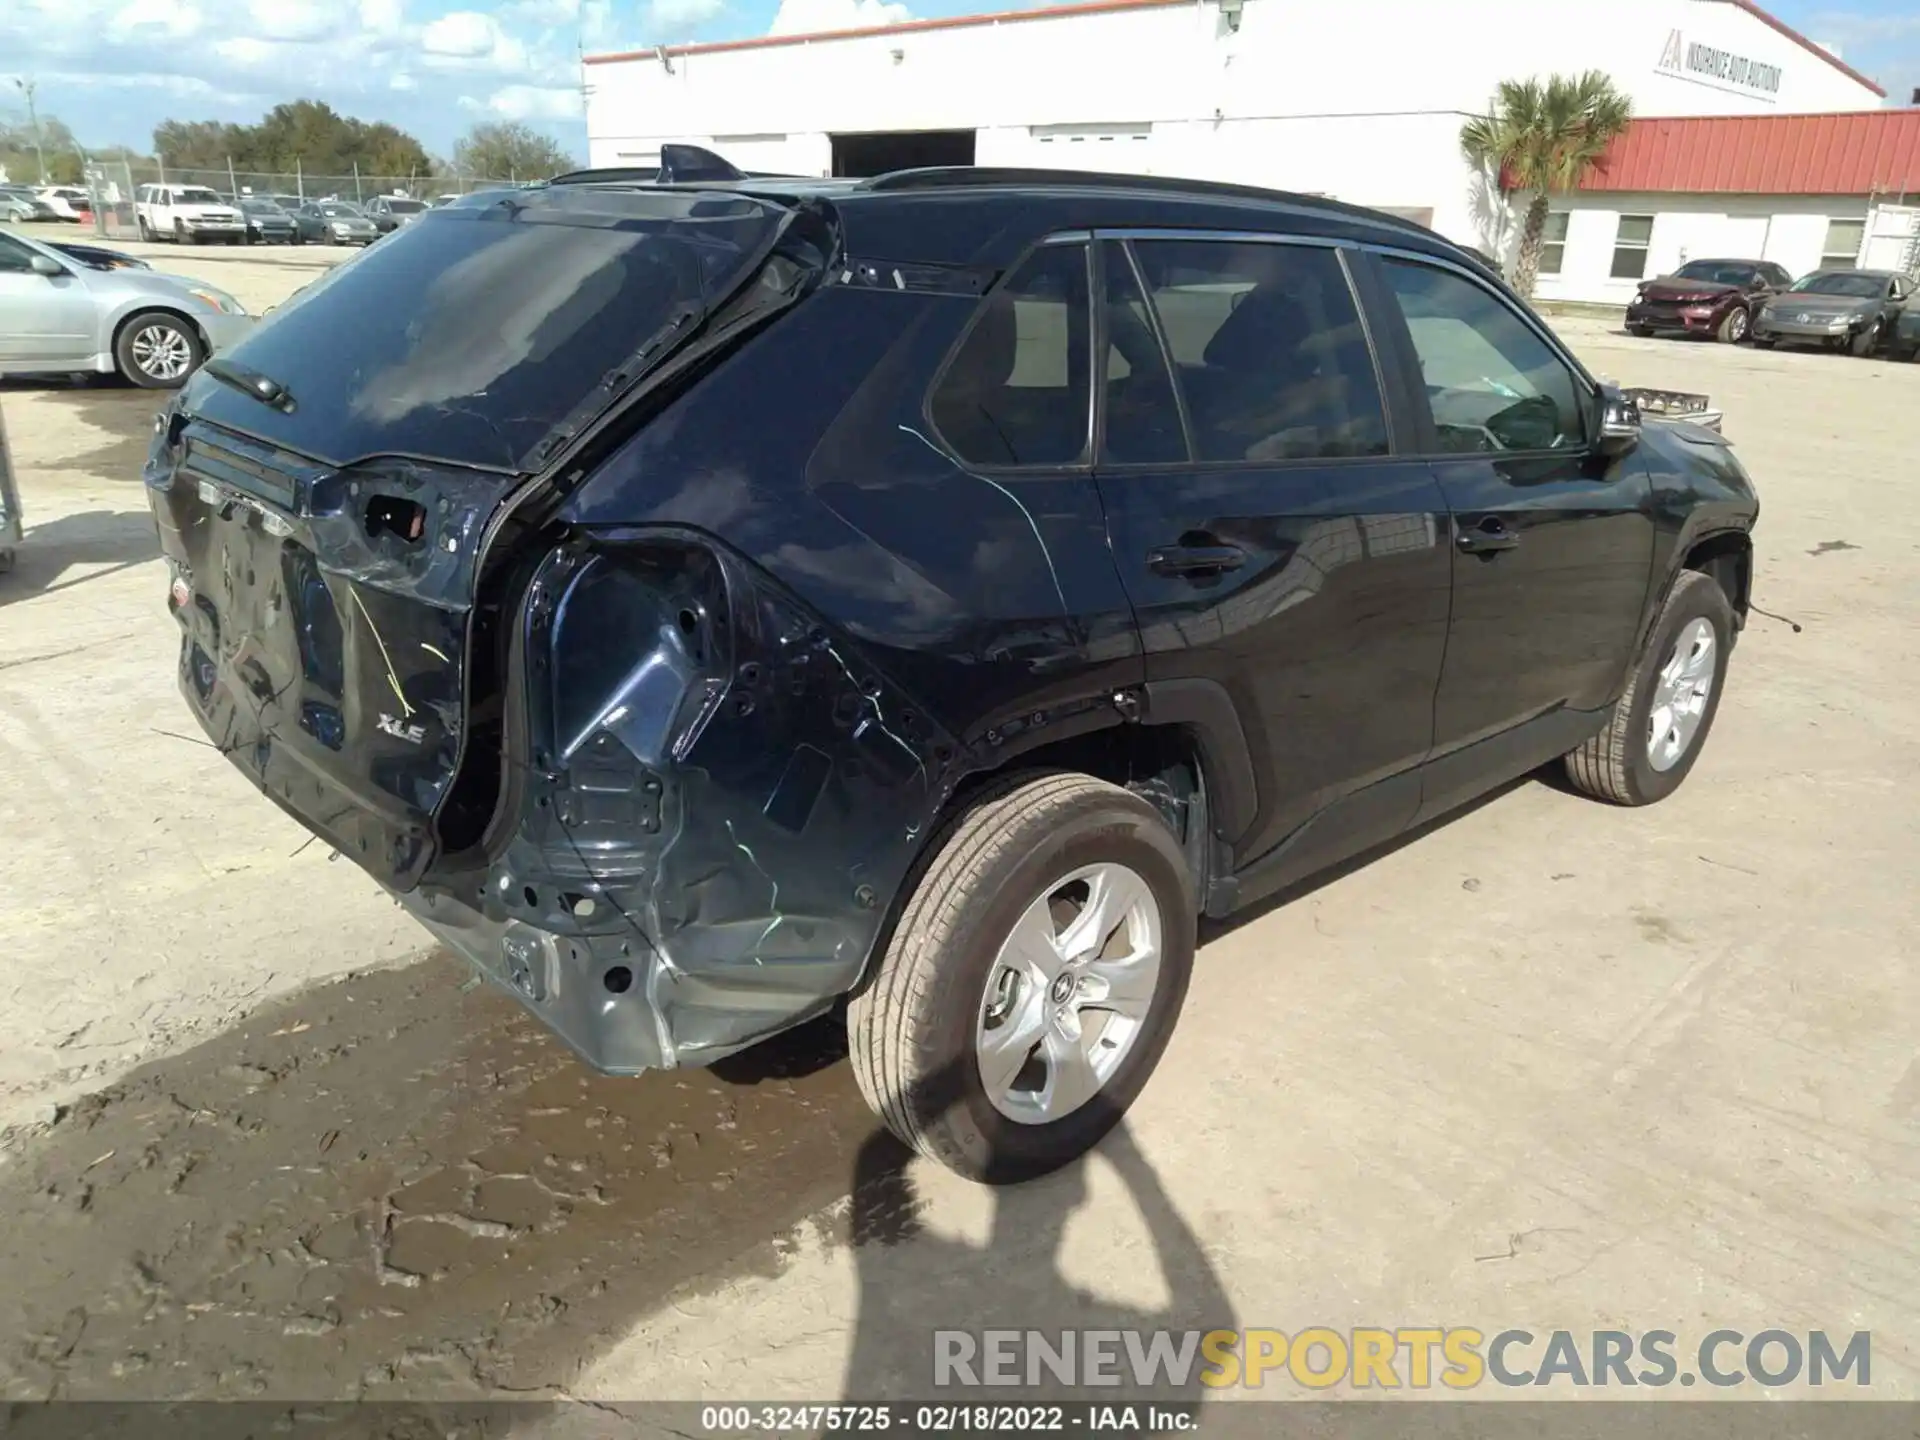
<point x="1726" y="556"/>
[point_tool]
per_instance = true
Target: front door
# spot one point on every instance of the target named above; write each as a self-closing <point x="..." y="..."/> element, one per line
<point x="1272" y="545"/>
<point x="46" y="321"/>
<point x="1552" y="540"/>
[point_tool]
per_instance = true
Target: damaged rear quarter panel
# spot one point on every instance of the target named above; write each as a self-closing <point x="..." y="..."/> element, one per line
<point x="786" y="629"/>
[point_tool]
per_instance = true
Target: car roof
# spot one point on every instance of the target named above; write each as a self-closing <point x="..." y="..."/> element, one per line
<point x="984" y="214"/>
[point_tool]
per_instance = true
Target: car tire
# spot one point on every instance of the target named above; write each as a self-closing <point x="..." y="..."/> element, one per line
<point x="146" y="230"/>
<point x="1760" y="342"/>
<point x="1634" y="760"/>
<point x="1864" y="343"/>
<point x="948" y="980"/>
<point x="137" y="346"/>
<point x="1733" y="328"/>
<point x="1643" y="331"/>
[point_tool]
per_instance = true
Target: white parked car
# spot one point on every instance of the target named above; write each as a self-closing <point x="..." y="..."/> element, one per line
<point x="187" y="214"/>
<point x="68" y="202"/>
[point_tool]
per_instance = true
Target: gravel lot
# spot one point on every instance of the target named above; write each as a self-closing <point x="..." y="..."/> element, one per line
<point x="1548" y="1065"/>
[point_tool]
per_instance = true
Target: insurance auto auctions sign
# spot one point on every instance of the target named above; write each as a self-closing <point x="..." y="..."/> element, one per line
<point x="1720" y="68"/>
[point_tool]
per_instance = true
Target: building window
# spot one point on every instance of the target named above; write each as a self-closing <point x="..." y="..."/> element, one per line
<point x="1553" y="243"/>
<point x="1630" y="247"/>
<point x="1844" y="239"/>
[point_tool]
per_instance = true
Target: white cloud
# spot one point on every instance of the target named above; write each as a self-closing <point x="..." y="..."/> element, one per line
<point x="673" y="17"/>
<point x="532" y="102"/>
<point x="460" y="34"/>
<point x="292" y="19"/>
<point x="806" y="17"/>
<point x="177" y="19"/>
<point x="247" y="50"/>
<point x="382" y="17"/>
<point x="468" y="40"/>
<point x="114" y="68"/>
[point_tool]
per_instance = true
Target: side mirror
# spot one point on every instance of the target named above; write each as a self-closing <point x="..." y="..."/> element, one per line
<point x="1619" y="422"/>
<point x="47" y="265"/>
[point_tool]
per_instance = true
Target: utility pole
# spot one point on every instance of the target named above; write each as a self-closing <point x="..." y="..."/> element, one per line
<point x="33" y="122"/>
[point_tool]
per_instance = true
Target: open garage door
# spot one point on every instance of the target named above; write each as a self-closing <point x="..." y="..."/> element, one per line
<point x="881" y="152"/>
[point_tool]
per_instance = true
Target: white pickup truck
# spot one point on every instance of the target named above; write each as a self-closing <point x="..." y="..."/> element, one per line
<point x="187" y="214"/>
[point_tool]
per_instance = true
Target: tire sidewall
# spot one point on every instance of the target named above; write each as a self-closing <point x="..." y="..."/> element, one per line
<point x="1733" y="329"/>
<point x="1697" y="599"/>
<point x="1005" y="1149"/>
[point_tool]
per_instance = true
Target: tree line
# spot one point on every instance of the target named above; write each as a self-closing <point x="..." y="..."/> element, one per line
<point x="307" y="135"/>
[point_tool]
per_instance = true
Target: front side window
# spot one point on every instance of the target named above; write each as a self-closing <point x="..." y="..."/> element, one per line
<point x="1016" y="393"/>
<point x="1630" y="245"/>
<point x="1493" y="384"/>
<point x="1844" y="239"/>
<point x="13" y="255"/>
<point x="1268" y="349"/>
<point x="1553" y="243"/>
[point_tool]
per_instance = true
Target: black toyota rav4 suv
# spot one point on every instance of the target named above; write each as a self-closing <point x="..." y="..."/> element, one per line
<point x="703" y="601"/>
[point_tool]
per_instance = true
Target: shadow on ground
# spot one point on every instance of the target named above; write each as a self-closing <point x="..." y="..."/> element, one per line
<point x="115" y="539"/>
<point x="390" y="1187"/>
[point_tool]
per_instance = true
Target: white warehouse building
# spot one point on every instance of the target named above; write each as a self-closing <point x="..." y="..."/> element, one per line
<point x="1361" y="101"/>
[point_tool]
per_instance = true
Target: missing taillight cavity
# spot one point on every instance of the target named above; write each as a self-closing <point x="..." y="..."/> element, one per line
<point x="392" y="515"/>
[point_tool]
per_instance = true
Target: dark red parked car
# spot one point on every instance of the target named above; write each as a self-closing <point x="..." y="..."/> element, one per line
<point x="1706" y="297"/>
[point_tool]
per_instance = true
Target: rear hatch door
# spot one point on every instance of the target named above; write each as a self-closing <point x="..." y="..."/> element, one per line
<point x="326" y="491"/>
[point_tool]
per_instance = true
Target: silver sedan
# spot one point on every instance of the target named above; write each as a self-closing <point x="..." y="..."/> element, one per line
<point x="58" y="314"/>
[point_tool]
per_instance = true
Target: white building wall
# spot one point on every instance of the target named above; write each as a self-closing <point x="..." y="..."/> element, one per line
<point x="1788" y="229"/>
<point x="1362" y="101"/>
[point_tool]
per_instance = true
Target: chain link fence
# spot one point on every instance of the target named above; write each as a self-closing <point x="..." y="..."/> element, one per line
<point x="111" y="186"/>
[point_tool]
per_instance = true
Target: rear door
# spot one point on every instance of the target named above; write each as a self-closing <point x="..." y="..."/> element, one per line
<point x="1552" y="541"/>
<point x="1278" y="554"/>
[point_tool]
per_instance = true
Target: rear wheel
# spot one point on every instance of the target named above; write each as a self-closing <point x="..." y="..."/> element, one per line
<point x="1661" y="721"/>
<point x="1733" y="329"/>
<point x="1032" y="980"/>
<point x="158" y="351"/>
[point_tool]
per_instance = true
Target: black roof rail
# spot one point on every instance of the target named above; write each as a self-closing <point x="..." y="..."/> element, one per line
<point x="988" y="176"/>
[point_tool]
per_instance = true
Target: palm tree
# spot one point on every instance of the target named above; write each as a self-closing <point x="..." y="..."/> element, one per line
<point x="1544" y="137"/>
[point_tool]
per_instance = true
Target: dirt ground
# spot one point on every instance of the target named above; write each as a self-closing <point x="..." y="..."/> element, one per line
<point x="1550" y="1065"/>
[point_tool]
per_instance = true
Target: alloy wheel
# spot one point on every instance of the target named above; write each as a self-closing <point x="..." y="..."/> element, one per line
<point x="1069" y="993"/>
<point x="161" y="352"/>
<point x="1680" y="695"/>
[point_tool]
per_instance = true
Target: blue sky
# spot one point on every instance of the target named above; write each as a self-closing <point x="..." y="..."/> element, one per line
<point x="112" y="69"/>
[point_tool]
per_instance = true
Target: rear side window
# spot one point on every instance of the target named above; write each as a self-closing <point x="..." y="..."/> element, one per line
<point x="1268" y="348"/>
<point x="1491" y="381"/>
<point x="1016" y="393"/>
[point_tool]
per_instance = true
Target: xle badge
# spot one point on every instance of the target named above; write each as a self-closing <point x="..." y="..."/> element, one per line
<point x="412" y="734"/>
